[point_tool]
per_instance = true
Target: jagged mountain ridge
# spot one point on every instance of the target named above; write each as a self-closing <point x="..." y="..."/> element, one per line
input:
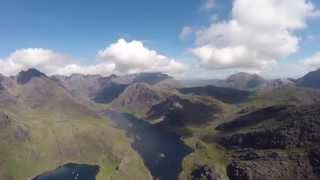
<point x="106" y="89"/>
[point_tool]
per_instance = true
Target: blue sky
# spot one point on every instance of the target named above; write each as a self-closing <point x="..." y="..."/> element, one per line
<point x="80" y="28"/>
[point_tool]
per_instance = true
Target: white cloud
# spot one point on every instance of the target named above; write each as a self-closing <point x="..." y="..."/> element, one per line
<point x="120" y="57"/>
<point x="207" y="5"/>
<point x="134" y="57"/>
<point x="49" y="62"/>
<point x="259" y="34"/>
<point x="230" y="57"/>
<point x="312" y="62"/>
<point x="46" y="60"/>
<point x="185" y="32"/>
<point x="101" y="68"/>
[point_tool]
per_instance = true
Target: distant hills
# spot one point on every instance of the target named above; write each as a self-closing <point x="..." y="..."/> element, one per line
<point x="227" y="95"/>
<point x="241" y="81"/>
<point x="311" y="80"/>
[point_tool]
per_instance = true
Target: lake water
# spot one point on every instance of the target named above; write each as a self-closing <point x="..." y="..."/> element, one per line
<point x="161" y="151"/>
<point x="71" y="171"/>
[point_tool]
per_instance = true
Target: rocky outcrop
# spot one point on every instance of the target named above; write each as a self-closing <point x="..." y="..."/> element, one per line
<point x="278" y="142"/>
<point x="291" y="127"/>
<point x="297" y="168"/>
<point x="236" y="172"/>
<point x="204" y="173"/>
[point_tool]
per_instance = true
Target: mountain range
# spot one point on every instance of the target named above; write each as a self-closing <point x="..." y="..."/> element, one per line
<point x="243" y="127"/>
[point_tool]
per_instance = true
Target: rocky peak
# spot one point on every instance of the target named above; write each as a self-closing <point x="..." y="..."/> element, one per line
<point x="245" y="81"/>
<point x="25" y="76"/>
<point x="242" y="76"/>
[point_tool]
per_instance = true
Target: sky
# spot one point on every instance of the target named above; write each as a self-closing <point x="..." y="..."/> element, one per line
<point x="186" y="39"/>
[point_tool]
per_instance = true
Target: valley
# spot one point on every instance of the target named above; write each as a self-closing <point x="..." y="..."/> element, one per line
<point x="149" y="125"/>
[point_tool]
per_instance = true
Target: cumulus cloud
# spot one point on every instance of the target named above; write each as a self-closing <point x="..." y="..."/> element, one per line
<point x="258" y="34"/>
<point x="229" y="57"/>
<point x="101" y="68"/>
<point x="134" y="57"/>
<point x="185" y="32"/>
<point x="49" y="62"/>
<point x="312" y="62"/>
<point x="44" y="59"/>
<point x="120" y="57"/>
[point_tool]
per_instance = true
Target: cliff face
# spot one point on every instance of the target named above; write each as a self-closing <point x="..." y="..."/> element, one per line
<point x="277" y="142"/>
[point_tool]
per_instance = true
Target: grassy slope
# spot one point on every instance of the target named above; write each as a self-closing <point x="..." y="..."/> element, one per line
<point x="61" y="131"/>
<point x="55" y="141"/>
<point x="207" y="152"/>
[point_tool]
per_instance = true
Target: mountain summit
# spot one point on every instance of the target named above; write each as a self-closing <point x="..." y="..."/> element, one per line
<point x="244" y="81"/>
<point x="25" y="76"/>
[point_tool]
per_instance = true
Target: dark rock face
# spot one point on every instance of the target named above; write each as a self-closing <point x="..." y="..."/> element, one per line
<point x="279" y="142"/>
<point x="236" y="172"/>
<point x="311" y="80"/>
<point x="178" y="112"/>
<point x="292" y="127"/>
<point x="265" y="169"/>
<point x="109" y="93"/>
<point x="226" y="95"/>
<point x="252" y="118"/>
<point x="257" y="140"/>
<point x="203" y="173"/>
<point x="314" y="157"/>
<point x="26" y="76"/>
